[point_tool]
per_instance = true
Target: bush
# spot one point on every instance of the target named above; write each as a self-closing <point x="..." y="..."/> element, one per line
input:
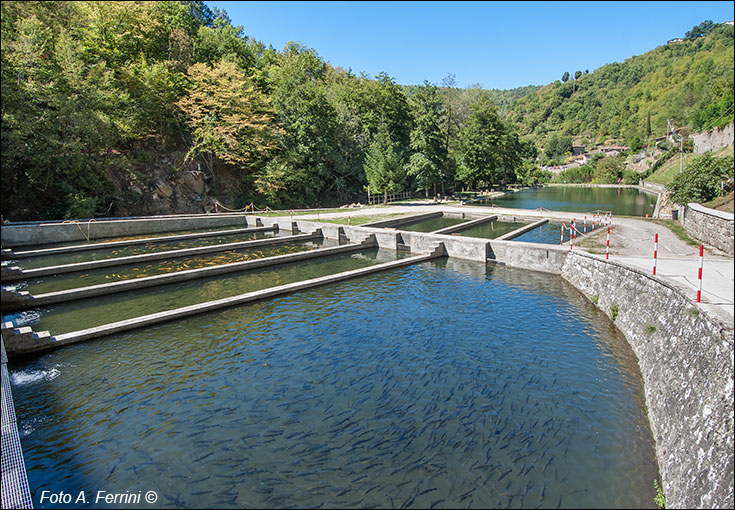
<point x="705" y="178"/>
<point x="577" y="175"/>
<point x="631" y="177"/>
<point x="608" y="171"/>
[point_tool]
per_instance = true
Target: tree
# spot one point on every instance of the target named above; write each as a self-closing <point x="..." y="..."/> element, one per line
<point x="481" y="145"/>
<point x="557" y="148"/>
<point x="228" y="117"/>
<point x="383" y="166"/>
<point x="428" y="149"/>
<point x="608" y="170"/>
<point x="565" y="76"/>
<point x="577" y="75"/>
<point x="700" y="30"/>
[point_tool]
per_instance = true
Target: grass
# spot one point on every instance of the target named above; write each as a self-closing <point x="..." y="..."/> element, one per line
<point x="672" y="168"/>
<point x="361" y="220"/>
<point x="677" y="229"/>
<point x="725" y="203"/>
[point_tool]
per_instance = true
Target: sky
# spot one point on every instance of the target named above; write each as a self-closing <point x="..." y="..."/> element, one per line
<point x="499" y="45"/>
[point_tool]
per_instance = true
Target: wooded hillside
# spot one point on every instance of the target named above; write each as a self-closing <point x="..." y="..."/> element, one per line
<point x="129" y="108"/>
<point x="688" y="81"/>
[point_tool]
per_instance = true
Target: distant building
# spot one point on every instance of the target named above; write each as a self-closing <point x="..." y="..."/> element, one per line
<point x="577" y="150"/>
<point x="728" y="23"/>
<point x="676" y="40"/>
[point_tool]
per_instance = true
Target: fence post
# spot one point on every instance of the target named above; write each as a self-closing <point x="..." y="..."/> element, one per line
<point x="701" y="263"/>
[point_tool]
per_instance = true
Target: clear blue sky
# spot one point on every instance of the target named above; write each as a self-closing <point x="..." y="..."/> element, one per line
<point x="500" y="45"/>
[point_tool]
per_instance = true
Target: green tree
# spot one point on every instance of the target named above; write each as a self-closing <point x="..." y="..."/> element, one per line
<point x="700" y="30"/>
<point x="428" y="149"/>
<point x="557" y="149"/>
<point x="608" y="170"/>
<point x="481" y="145"/>
<point x="565" y="76"/>
<point x="383" y="165"/>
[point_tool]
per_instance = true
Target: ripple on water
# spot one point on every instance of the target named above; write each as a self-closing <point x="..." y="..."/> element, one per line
<point x="441" y="384"/>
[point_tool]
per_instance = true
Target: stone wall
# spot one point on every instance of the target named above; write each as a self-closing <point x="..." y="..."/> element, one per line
<point x="714" y="140"/>
<point x="711" y="227"/>
<point x="686" y="360"/>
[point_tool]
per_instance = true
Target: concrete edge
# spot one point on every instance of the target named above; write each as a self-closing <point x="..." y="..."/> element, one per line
<point x="133" y="242"/>
<point x="147" y="257"/>
<point x="117" y="327"/>
<point x="190" y="274"/>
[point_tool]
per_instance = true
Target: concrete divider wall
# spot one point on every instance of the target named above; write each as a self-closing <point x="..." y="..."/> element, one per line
<point x="686" y="360"/>
<point x="709" y="226"/>
<point x="49" y="233"/>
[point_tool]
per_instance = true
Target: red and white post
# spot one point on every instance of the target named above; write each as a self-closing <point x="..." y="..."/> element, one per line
<point x="585" y="226"/>
<point x="701" y="262"/>
<point x="655" y="253"/>
<point x="607" y="248"/>
<point x="561" y="241"/>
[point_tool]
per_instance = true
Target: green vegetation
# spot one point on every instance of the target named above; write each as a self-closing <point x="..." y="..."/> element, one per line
<point x="703" y="179"/>
<point x="649" y="329"/>
<point x="690" y="82"/>
<point x="693" y="313"/>
<point x="614" y="311"/>
<point x="594" y="299"/>
<point x="677" y="229"/>
<point x="102" y="101"/>
<point x="660" y="498"/>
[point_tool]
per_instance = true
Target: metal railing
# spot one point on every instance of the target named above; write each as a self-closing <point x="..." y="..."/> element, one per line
<point x="379" y="198"/>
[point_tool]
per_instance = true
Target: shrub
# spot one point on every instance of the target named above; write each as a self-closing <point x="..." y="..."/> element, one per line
<point x="608" y="171"/>
<point x="631" y="177"/>
<point x="705" y="178"/>
<point x="614" y="311"/>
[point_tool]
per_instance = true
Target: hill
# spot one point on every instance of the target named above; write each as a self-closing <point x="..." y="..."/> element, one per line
<point x="689" y="81"/>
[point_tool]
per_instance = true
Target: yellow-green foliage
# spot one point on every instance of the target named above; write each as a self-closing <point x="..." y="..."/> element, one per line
<point x="674" y="81"/>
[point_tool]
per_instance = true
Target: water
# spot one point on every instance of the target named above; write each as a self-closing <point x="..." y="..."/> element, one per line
<point x="443" y="384"/>
<point x="548" y="233"/>
<point x="492" y="230"/>
<point x="621" y="201"/>
<point x="91" y="312"/>
<point x="431" y="224"/>
<point x="125" y="251"/>
<point x="67" y="281"/>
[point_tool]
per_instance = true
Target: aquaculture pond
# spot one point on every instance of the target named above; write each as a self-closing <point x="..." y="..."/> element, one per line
<point x="431" y="224"/>
<point x="127" y="271"/>
<point x="445" y="385"/>
<point x="493" y="229"/>
<point x="91" y="312"/>
<point x="621" y="201"/>
<point x="138" y="249"/>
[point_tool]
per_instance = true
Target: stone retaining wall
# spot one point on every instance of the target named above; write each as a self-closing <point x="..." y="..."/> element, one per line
<point x="686" y="360"/>
<point x="714" y="140"/>
<point x="711" y="227"/>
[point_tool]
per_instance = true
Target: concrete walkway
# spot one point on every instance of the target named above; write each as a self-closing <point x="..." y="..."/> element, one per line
<point x="718" y="280"/>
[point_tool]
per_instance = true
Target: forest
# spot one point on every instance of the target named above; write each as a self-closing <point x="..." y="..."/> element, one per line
<point x="103" y="103"/>
<point x="99" y="98"/>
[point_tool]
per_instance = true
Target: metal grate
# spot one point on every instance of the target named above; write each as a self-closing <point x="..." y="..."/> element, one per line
<point x="15" y="492"/>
